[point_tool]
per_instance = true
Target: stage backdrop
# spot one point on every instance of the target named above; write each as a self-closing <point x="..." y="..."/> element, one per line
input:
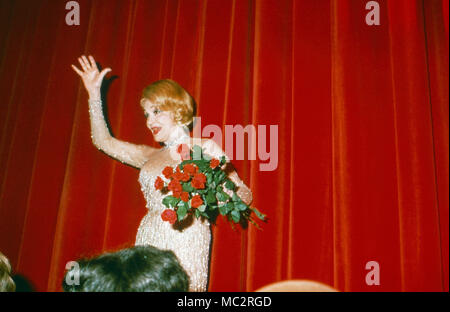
<point x="362" y="116"/>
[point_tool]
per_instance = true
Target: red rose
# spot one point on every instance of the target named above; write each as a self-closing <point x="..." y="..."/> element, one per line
<point x="198" y="181"/>
<point x="169" y="215"/>
<point x="197" y="184"/>
<point x="175" y="186"/>
<point x="190" y="169"/>
<point x="178" y="176"/>
<point x="214" y="163"/>
<point x="196" y="201"/>
<point x="167" y="172"/>
<point x="159" y="183"/>
<point x="184" y="152"/>
<point x="176" y="194"/>
<point x="200" y="177"/>
<point x="184" y="196"/>
<point x="185" y="177"/>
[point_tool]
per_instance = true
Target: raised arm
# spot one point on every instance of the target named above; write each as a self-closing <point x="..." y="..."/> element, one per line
<point x="243" y="191"/>
<point x="128" y="153"/>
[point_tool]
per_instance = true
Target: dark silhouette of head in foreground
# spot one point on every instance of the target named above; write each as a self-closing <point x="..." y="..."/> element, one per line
<point x="136" y="269"/>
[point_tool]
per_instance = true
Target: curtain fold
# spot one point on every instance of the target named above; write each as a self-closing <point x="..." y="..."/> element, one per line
<point x="362" y="123"/>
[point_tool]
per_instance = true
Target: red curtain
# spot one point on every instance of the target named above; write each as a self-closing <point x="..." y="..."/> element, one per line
<point x="362" y="116"/>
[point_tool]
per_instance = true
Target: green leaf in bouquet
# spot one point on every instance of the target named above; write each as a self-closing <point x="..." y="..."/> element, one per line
<point x="202" y="213"/>
<point x="170" y="201"/>
<point x="202" y="165"/>
<point x="226" y="196"/>
<point x="230" y="206"/>
<point x="223" y="160"/>
<point x="223" y="210"/>
<point x="175" y="201"/>
<point x="235" y="198"/>
<point x="193" y="162"/>
<point x="166" y="201"/>
<point x="222" y="176"/>
<point x="236" y="216"/>
<point x="201" y="208"/>
<point x="258" y="213"/>
<point x="210" y="198"/>
<point x="197" y="162"/>
<point x="230" y="185"/>
<point x="209" y="178"/>
<point x="212" y="186"/>
<point x="197" y="213"/>
<point x="240" y="206"/>
<point x="181" y="212"/>
<point x="187" y="187"/>
<point x="218" y="176"/>
<point x="220" y="196"/>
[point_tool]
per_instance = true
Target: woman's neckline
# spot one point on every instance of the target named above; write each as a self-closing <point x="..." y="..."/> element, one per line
<point x="180" y="140"/>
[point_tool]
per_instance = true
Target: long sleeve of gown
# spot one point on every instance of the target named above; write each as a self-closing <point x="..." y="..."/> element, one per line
<point x="128" y="153"/>
<point x="243" y="191"/>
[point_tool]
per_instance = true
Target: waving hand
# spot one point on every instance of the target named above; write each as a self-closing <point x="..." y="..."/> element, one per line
<point x="91" y="76"/>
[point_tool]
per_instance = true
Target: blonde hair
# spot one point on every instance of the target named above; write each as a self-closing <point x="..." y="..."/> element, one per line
<point x="6" y="282"/>
<point x="168" y="95"/>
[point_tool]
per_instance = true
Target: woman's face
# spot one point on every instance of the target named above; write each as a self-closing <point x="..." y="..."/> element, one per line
<point x="160" y="123"/>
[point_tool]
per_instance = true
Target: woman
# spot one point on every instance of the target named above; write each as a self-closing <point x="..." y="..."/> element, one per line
<point x="169" y="110"/>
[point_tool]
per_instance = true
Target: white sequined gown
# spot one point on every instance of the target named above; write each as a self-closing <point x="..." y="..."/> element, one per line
<point x="190" y="240"/>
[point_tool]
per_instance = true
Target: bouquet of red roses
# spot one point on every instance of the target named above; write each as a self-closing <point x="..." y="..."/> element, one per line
<point x="200" y="187"/>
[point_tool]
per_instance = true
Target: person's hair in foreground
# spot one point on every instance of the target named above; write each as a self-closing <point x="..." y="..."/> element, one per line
<point x="6" y="282"/>
<point x="136" y="269"/>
